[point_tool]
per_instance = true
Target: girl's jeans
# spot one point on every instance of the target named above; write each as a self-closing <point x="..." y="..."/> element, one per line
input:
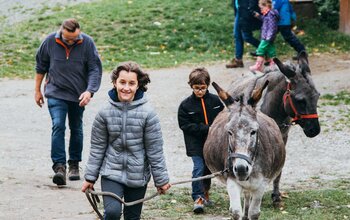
<point x="113" y="208"/>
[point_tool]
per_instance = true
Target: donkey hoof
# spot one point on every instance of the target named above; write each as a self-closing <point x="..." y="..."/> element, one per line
<point x="235" y="216"/>
<point x="278" y="204"/>
<point x="276" y="200"/>
<point x="255" y="217"/>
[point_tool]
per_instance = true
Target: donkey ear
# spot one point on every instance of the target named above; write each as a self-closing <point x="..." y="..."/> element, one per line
<point x="224" y="96"/>
<point x="304" y="62"/>
<point x="283" y="68"/>
<point x="256" y="94"/>
<point x="303" y="57"/>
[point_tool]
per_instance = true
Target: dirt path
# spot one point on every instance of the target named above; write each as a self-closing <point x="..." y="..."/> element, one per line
<point x="25" y="166"/>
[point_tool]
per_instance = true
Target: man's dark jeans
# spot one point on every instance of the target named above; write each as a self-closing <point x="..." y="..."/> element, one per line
<point x="241" y="37"/>
<point x="59" y="109"/>
<point x="290" y="38"/>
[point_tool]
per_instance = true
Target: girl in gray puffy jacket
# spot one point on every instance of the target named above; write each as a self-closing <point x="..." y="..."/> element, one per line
<point x="126" y="144"/>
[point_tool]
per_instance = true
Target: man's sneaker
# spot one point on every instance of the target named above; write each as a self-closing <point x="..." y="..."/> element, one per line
<point x="198" y="206"/>
<point x="60" y="175"/>
<point x="235" y="63"/>
<point x="73" y="170"/>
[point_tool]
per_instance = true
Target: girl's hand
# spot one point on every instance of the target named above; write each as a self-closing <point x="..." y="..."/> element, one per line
<point x="87" y="185"/>
<point x="163" y="189"/>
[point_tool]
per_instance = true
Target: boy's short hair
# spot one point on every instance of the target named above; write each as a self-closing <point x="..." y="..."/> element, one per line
<point x="199" y="76"/>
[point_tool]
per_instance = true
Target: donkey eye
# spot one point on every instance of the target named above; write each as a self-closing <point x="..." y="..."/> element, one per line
<point x="230" y="133"/>
<point x="252" y="133"/>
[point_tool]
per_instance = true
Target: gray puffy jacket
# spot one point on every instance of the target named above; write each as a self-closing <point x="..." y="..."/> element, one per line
<point x="127" y="145"/>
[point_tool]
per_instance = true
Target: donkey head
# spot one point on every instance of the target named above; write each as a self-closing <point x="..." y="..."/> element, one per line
<point x="242" y="131"/>
<point x="301" y="96"/>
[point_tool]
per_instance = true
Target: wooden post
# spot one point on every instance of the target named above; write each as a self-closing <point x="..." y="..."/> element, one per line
<point x="344" y="16"/>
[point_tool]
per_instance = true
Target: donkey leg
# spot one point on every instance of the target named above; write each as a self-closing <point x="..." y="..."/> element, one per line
<point x="254" y="208"/>
<point x="247" y="197"/>
<point x="276" y="195"/>
<point x="234" y="192"/>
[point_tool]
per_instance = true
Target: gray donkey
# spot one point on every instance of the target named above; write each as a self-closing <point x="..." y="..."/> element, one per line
<point x="250" y="145"/>
<point x="290" y="98"/>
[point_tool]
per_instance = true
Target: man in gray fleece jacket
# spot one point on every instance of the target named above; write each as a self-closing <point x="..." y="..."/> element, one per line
<point x="73" y="70"/>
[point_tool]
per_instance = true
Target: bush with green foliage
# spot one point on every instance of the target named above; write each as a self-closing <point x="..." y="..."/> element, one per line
<point x="328" y="12"/>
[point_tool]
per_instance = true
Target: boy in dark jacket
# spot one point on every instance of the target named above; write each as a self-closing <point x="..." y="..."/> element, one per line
<point x="196" y="113"/>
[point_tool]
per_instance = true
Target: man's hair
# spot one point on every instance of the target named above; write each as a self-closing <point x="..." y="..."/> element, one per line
<point x="70" y="25"/>
<point x="199" y="76"/>
<point x="130" y="66"/>
<point x="267" y="3"/>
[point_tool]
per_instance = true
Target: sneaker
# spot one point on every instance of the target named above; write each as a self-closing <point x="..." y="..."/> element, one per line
<point x="73" y="170"/>
<point x="60" y="175"/>
<point x="235" y="63"/>
<point x="198" y="206"/>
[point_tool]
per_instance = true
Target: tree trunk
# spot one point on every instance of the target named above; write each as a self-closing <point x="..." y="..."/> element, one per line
<point x="344" y="18"/>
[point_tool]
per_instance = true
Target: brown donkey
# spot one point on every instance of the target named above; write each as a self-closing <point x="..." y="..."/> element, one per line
<point x="250" y="145"/>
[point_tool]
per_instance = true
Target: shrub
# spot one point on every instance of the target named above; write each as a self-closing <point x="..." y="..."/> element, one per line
<point x="328" y="12"/>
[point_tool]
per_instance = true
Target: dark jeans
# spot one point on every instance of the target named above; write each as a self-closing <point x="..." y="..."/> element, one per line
<point x="199" y="169"/>
<point x="59" y="109"/>
<point x="113" y="208"/>
<point x="241" y="37"/>
<point x="290" y="38"/>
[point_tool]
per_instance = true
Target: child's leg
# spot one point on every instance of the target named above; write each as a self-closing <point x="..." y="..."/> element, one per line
<point x="271" y="52"/>
<point x="261" y="51"/>
<point x="198" y="171"/>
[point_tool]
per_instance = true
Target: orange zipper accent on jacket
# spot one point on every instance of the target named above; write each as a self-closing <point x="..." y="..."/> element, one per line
<point x="205" y="112"/>
<point x="65" y="47"/>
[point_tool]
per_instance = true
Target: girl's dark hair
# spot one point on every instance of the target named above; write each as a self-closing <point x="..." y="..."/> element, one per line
<point x="130" y="66"/>
<point x="199" y="76"/>
<point x="70" y="25"/>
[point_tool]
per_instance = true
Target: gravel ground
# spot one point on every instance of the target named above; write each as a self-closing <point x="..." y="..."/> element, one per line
<point x="19" y="10"/>
<point x="25" y="165"/>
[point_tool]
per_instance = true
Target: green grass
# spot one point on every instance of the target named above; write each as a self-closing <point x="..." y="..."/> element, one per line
<point x="312" y="204"/>
<point x="339" y="117"/>
<point x="342" y="97"/>
<point x="154" y="33"/>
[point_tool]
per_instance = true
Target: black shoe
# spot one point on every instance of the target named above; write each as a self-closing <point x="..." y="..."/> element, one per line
<point x="253" y="53"/>
<point x="60" y="175"/>
<point x="73" y="170"/>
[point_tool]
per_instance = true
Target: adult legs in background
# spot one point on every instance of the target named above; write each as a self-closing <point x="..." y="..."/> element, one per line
<point x="290" y="38"/>
<point x="75" y="118"/>
<point x="58" y="110"/>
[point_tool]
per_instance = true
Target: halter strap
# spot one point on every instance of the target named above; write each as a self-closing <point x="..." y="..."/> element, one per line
<point x="241" y="156"/>
<point x="288" y="99"/>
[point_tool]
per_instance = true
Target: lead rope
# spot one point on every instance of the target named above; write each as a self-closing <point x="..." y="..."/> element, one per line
<point x="93" y="198"/>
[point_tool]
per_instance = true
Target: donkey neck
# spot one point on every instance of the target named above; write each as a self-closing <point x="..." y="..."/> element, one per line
<point x="273" y="101"/>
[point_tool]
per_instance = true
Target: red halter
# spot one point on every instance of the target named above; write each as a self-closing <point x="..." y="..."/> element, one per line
<point x="297" y="116"/>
